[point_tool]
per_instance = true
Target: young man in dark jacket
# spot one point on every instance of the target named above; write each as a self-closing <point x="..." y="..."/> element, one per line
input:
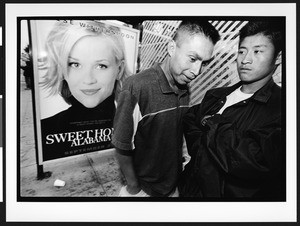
<point x="234" y="135"/>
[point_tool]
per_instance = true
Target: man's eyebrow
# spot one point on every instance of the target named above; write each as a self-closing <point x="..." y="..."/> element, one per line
<point x="261" y="45"/>
<point x="201" y="59"/>
<point x="195" y="54"/>
<point x="256" y="46"/>
<point x="208" y="61"/>
<point x="198" y="57"/>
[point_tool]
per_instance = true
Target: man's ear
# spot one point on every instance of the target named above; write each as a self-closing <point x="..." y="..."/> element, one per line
<point x="278" y="59"/>
<point x="171" y="47"/>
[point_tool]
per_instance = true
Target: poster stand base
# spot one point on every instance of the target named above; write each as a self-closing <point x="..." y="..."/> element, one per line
<point x="41" y="174"/>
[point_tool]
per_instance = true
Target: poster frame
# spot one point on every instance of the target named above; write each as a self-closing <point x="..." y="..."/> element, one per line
<point x="33" y="40"/>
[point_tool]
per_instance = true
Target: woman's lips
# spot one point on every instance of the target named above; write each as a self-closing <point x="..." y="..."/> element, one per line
<point x="90" y="92"/>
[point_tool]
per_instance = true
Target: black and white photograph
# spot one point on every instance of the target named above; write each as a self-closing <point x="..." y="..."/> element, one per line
<point x="162" y="114"/>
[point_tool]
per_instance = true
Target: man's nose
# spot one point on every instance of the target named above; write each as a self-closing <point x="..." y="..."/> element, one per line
<point x="196" y="68"/>
<point x="247" y="58"/>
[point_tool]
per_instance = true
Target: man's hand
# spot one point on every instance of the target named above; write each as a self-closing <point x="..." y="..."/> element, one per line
<point x="133" y="189"/>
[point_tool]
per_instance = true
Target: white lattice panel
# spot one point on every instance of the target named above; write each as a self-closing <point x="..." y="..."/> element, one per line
<point x="156" y="35"/>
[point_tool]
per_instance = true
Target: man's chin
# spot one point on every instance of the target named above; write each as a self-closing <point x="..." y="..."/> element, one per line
<point x="181" y="85"/>
<point x="246" y="82"/>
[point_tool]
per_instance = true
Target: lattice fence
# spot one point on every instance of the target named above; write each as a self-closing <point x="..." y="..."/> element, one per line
<point x="219" y="72"/>
<point x="156" y="35"/>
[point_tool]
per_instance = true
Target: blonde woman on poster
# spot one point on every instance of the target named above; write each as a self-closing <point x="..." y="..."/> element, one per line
<point x="86" y="66"/>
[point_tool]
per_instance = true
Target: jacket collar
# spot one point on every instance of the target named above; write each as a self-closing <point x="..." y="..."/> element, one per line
<point x="264" y="93"/>
<point x="261" y="95"/>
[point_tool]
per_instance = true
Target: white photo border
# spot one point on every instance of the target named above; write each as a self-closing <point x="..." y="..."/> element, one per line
<point x="149" y="211"/>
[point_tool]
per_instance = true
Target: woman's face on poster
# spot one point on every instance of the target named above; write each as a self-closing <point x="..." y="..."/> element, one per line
<point x="92" y="70"/>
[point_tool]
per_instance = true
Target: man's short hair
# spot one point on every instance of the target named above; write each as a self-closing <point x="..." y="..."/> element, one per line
<point x="193" y="27"/>
<point x="272" y="29"/>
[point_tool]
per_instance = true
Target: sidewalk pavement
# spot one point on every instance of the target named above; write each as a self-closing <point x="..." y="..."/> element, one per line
<point x="90" y="175"/>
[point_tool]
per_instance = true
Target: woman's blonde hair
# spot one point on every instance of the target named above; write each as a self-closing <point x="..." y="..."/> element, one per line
<point x="59" y="44"/>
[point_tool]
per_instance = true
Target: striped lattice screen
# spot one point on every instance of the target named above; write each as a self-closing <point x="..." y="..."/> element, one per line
<point x="219" y="72"/>
<point x="156" y="35"/>
<point x="222" y="70"/>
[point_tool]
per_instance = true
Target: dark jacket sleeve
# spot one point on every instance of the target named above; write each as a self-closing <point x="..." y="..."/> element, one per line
<point x="191" y="181"/>
<point x="192" y="129"/>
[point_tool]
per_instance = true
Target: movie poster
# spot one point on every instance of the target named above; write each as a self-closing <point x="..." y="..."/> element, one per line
<point x="79" y="67"/>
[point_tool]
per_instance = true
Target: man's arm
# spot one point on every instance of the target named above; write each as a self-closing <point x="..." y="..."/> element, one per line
<point x="127" y="168"/>
<point x="192" y="131"/>
<point x="125" y="124"/>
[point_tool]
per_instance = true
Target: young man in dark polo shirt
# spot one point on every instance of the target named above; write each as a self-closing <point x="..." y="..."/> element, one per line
<point x="148" y="133"/>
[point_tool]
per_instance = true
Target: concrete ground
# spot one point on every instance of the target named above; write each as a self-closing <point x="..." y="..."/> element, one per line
<point x="94" y="174"/>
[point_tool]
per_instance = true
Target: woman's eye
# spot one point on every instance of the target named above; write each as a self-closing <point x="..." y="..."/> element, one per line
<point x="241" y="52"/>
<point x="74" y="64"/>
<point x="101" y="66"/>
<point x="257" y="51"/>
